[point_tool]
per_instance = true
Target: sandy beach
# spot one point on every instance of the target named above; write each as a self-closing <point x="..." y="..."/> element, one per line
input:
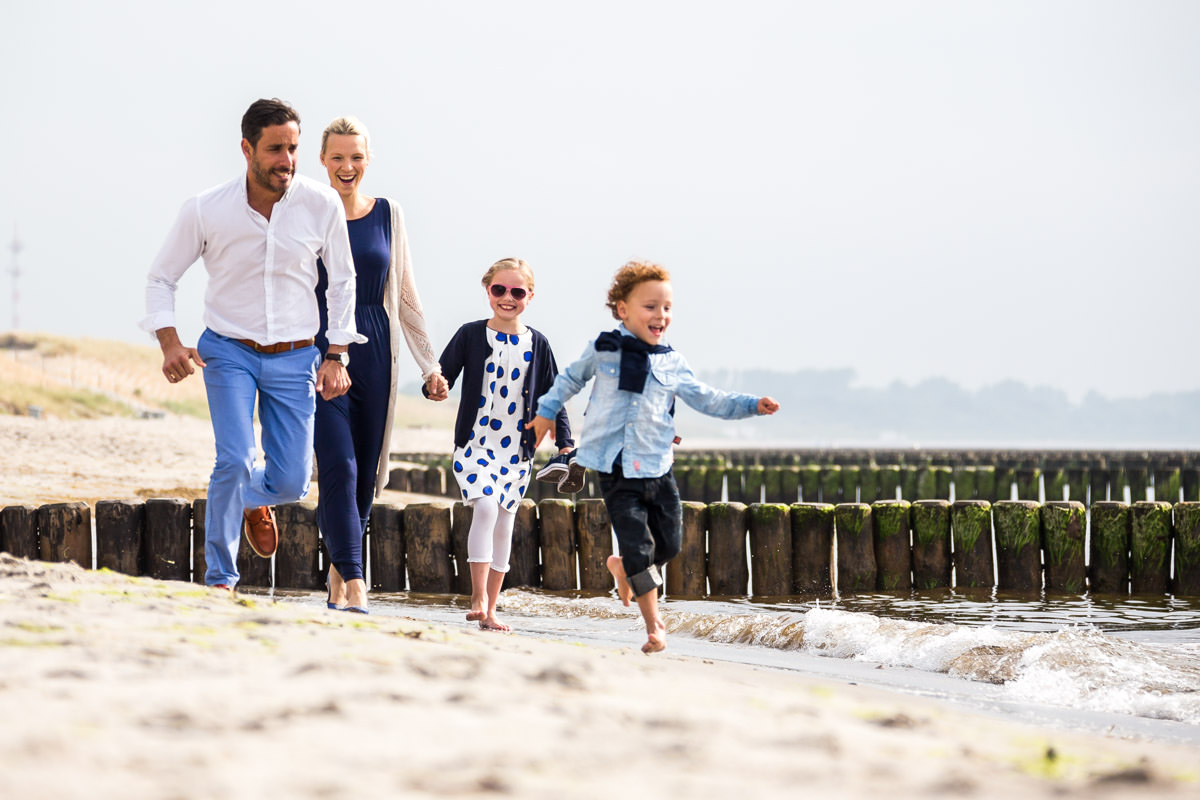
<point x="112" y="686"/>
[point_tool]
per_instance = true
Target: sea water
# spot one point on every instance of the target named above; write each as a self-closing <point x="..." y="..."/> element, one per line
<point x="1128" y="666"/>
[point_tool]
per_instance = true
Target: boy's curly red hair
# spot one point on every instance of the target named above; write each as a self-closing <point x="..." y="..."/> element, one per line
<point x="629" y="276"/>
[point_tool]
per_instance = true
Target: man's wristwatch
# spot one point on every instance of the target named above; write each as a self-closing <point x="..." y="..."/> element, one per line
<point x="341" y="358"/>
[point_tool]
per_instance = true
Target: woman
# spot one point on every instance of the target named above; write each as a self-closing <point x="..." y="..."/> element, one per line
<point x="352" y="430"/>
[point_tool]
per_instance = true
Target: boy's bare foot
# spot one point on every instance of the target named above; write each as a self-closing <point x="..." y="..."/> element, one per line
<point x="656" y="640"/>
<point x="617" y="568"/>
<point x="490" y="623"/>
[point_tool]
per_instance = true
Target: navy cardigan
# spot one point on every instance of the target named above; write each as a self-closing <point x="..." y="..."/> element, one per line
<point x="468" y="352"/>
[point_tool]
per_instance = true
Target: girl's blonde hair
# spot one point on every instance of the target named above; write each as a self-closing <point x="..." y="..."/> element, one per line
<point x="519" y="264"/>
<point x="346" y="126"/>
<point x="629" y="276"/>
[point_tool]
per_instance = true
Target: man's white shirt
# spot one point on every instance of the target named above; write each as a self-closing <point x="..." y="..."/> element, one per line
<point x="262" y="274"/>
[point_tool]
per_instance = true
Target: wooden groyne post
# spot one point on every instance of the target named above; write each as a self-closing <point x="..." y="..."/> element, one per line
<point x="812" y="548"/>
<point x="1018" y="545"/>
<point x="931" y="543"/>
<point x="728" y="573"/>
<point x="893" y="552"/>
<point x="1149" y="547"/>
<point x="1109" y="556"/>
<point x="854" y="530"/>
<point x="770" y="530"/>
<point x="971" y="530"/>
<point x="1064" y="524"/>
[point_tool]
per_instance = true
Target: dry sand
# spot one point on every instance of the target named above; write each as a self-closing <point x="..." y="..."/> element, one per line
<point x="122" y="687"/>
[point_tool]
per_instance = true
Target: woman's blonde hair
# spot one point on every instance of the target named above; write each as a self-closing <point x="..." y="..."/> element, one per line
<point x="519" y="264"/>
<point x="629" y="276"/>
<point x="346" y="126"/>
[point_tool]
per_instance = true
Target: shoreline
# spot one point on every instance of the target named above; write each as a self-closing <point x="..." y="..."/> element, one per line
<point x="132" y="687"/>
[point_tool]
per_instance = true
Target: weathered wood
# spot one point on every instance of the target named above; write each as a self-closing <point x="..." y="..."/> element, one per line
<point x="66" y="533"/>
<point x="908" y="483"/>
<point x="1005" y="478"/>
<point x="942" y="482"/>
<point x="1064" y="524"/>
<point x="199" y="561"/>
<point x="789" y="484"/>
<point x="435" y="481"/>
<point x="728" y="572"/>
<point x="714" y="482"/>
<point x="593" y="532"/>
<point x="1190" y="482"/>
<point x="831" y="484"/>
<point x="889" y="482"/>
<point x="683" y="476"/>
<point x="1077" y="484"/>
<point x="697" y="478"/>
<point x="770" y="549"/>
<point x="298" y="559"/>
<point x="812" y="548"/>
<point x="1097" y="485"/>
<point x="1018" y="545"/>
<point x="971" y="530"/>
<point x="524" y="568"/>
<point x="893" y="552"/>
<point x="385" y="547"/>
<point x="461" y="515"/>
<point x="850" y="474"/>
<point x="19" y="531"/>
<point x="398" y="480"/>
<point x="868" y="484"/>
<point x="733" y="485"/>
<point x="931" y="543"/>
<point x="810" y="483"/>
<point x="1054" y="482"/>
<point x="1167" y="483"/>
<point x="686" y="573"/>
<point x="1138" y="477"/>
<point x="927" y="484"/>
<point x="773" y="484"/>
<point x="557" y="519"/>
<point x="119" y="529"/>
<point x="1028" y="485"/>
<point x="985" y="484"/>
<point x="964" y="483"/>
<point x="167" y="542"/>
<point x="1150" y="547"/>
<point x="1109" y="557"/>
<point x="855" y="535"/>
<point x="1187" y="549"/>
<point x="1118" y="485"/>
<point x="427" y="547"/>
<point x="753" y="479"/>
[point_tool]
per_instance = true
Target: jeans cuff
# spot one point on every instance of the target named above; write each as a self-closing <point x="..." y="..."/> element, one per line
<point x="647" y="580"/>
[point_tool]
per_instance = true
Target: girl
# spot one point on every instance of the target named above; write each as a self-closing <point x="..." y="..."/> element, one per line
<point x="506" y="367"/>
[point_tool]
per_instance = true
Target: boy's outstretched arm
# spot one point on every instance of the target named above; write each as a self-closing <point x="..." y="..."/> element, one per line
<point x="767" y="405"/>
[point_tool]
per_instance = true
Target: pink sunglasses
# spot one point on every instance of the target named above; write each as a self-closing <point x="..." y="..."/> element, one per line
<point x="498" y="291"/>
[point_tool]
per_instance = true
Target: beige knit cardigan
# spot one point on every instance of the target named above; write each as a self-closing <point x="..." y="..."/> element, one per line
<point x="403" y="306"/>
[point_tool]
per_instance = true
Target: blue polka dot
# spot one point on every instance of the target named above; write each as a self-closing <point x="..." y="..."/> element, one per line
<point x="500" y="337"/>
<point x="528" y="356"/>
<point x="482" y="401"/>
<point x="487" y="490"/>
<point x="504" y="391"/>
<point x="500" y="372"/>
<point x="483" y="462"/>
<point x="457" y="467"/>
<point x="522" y="475"/>
<point x="491" y="367"/>
<point x="483" y="421"/>
<point x="510" y="504"/>
<point x="497" y="424"/>
<point x="464" y="491"/>
<point x="491" y="455"/>
<point x="493" y="387"/>
<point x="504" y="470"/>
<point x="522" y="491"/>
<point x="472" y="478"/>
<point x="516" y="373"/>
<point x="521" y="425"/>
<point x="470" y="435"/>
<point x="467" y="453"/>
<point x="512" y="408"/>
<point x="508" y="486"/>
<point x="506" y="441"/>
<point x="513" y="460"/>
<point x="482" y="441"/>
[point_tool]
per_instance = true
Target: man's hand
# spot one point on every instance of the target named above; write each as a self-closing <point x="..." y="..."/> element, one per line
<point x="767" y="405"/>
<point x="541" y="426"/>
<point x="436" y="387"/>
<point x="332" y="380"/>
<point x="177" y="359"/>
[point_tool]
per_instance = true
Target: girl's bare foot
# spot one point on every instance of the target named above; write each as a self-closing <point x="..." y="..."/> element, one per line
<point x="617" y="568"/>
<point x="476" y="616"/>
<point x="490" y="623"/>
<point x="656" y="640"/>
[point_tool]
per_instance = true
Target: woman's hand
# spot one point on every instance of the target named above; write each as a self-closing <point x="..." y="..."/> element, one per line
<point x="436" y="387"/>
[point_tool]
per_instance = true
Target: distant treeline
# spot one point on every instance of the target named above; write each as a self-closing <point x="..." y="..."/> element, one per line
<point x="821" y="405"/>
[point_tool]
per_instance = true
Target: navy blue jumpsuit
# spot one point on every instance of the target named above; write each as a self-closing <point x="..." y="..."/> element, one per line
<point x="348" y="432"/>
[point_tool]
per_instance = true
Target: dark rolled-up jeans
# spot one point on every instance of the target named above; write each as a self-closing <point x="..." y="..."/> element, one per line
<point x="648" y="521"/>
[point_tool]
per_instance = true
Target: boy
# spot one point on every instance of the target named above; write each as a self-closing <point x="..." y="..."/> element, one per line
<point x="630" y="429"/>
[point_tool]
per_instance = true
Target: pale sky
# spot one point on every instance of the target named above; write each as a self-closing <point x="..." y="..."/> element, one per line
<point x="978" y="191"/>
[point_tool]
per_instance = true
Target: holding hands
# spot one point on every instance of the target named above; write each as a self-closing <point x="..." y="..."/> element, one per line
<point x="436" y="387"/>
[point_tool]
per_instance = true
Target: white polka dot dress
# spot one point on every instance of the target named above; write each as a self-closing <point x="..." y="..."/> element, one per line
<point x="490" y="464"/>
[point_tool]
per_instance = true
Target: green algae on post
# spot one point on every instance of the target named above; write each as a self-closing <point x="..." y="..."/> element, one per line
<point x="964" y="483"/>
<point x="893" y="555"/>
<point x="1018" y="545"/>
<point x="686" y="573"/>
<point x="1149" y="546"/>
<point x="1187" y="549"/>
<point x="810" y="483"/>
<point x="971" y="529"/>
<point x="853" y="529"/>
<point x="831" y="484"/>
<point x="1109" y="550"/>
<point x="727" y="571"/>
<point x="770" y="549"/>
<point x="812" y="548"/>
<point x="931" y="543"/>
<point x="1063" y="526"/>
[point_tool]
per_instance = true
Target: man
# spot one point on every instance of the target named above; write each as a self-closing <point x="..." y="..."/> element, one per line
<point x="260" y="236"/>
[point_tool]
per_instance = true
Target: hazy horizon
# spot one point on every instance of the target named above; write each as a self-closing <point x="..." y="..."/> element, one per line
<point x="973" y="191"/>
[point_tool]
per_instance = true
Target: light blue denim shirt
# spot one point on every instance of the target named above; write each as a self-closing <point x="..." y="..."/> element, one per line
<point x="638" y="426"/>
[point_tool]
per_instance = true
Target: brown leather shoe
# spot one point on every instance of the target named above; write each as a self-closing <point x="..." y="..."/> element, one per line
<point x="260" y="530"/>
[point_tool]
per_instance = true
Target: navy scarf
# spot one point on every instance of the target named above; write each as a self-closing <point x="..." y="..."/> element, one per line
<point x="635" y="358"/>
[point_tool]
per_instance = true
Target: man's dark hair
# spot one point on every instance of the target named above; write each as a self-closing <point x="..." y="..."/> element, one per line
<point x="263" y="114"/>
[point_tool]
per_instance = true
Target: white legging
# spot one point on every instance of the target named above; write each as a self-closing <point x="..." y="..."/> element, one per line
<point x="490" y="537"/>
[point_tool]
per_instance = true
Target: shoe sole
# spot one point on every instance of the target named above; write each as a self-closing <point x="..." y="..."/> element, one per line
<point x="551" y="474"/>
<point x="573" y="482"/>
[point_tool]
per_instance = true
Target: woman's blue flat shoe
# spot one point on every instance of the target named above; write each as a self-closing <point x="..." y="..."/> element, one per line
<point x="356" y="610"/>
<point x="329" y="598"/>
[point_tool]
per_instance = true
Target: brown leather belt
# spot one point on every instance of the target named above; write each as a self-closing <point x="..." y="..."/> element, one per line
<point x="279" y="347"/>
